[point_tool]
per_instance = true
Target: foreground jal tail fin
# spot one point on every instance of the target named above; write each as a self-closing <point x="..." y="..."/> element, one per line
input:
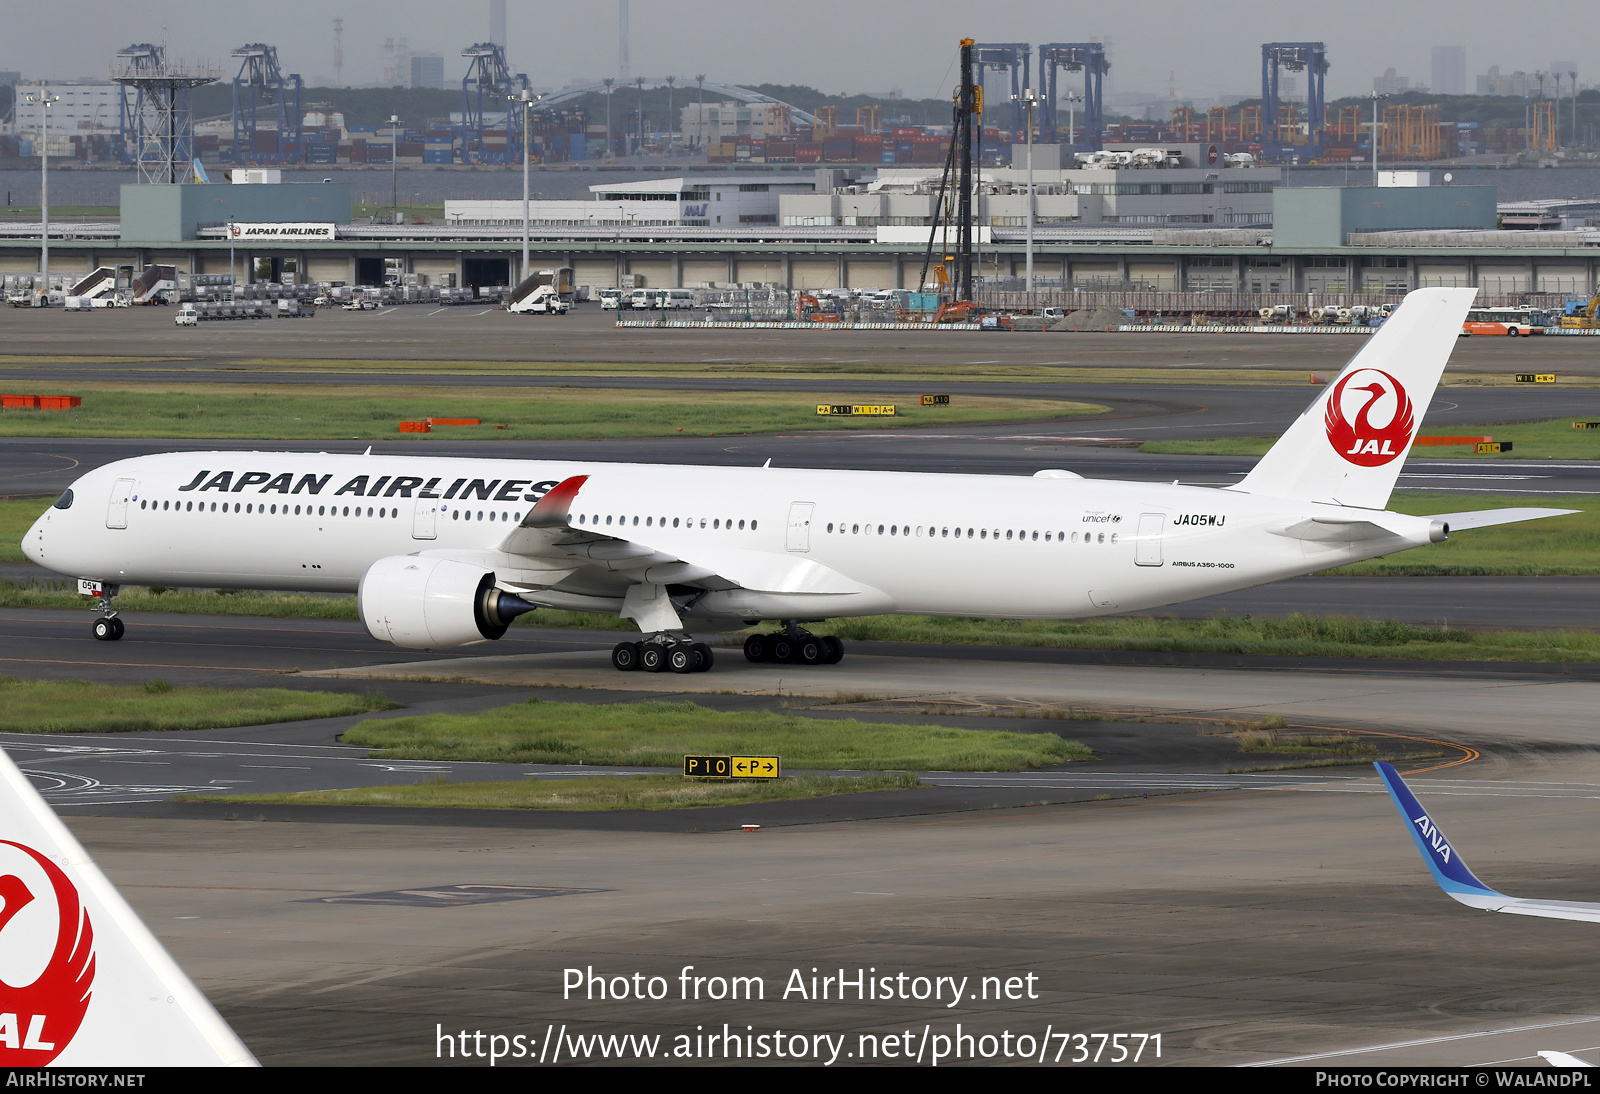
<point x="100" y="990"/>
<point x="1349" y="445"/>
<point x="1452" y="874"/>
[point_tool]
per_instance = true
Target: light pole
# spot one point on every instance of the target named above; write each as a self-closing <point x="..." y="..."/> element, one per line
<point x="394" y="165"/>
<point x="1072" y="99"/>
<point x="1573" y="76"/>
<point x="670" y="81"/>
<point x="1375" y="96"/>
<point x="1029" y="98"/>
<point x="700" y="125"/>
<point x="44" y="99"/>
<point x="527" y="98"/>
<point x="1555" y="128"/>
<point x="639" y="82"/>
<point x="608" y="82"/>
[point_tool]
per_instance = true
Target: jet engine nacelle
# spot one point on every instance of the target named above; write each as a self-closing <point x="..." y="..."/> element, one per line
<point x="424" y="603"/>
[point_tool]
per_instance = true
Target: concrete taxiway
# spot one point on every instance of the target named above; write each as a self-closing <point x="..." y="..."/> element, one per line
<point x="1243" y="927"/>
<point x="418" y="333"/>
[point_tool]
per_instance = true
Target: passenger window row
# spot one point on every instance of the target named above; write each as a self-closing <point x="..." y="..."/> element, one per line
<point x="595" y="520"/>
<point x="1011" y="534"/>
<point x="467" y="514"/>
<point x="384" y="512"/>
<point x="264" y="509"/>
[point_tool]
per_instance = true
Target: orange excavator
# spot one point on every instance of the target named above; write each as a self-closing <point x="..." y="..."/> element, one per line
<point x="811" y="308"/>
<point x="958" y="311"/>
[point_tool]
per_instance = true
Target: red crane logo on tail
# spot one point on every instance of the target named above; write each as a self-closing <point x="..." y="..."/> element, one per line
<point x="39" y="1020"/>
<point x="1363" y="443"/>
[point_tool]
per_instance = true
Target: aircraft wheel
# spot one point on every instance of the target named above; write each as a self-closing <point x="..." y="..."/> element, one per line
<point x="652" y="658"/>
<point x="625" y="656"/>
<point x="680" y="659"/>
<point x="835" y="651"/>
<point x="121" y="628"/>
<point x="811" y="651"/>
<point x="108" y="630"/>
<point x="755" y="648"/>
<point x="703" y="660"/>
<point x="780" y="649"/>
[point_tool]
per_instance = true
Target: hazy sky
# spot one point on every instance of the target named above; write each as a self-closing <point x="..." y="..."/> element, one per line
<point x="1210" y="48"/>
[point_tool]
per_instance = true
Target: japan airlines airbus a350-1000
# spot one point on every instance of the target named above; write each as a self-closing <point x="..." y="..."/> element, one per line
<point x="446" y="552"/>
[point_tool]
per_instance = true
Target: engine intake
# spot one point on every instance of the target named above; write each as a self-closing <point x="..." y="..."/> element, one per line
<point x="425" y="603"/>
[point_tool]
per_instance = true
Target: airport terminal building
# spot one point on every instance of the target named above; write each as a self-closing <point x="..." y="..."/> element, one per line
<point x="1185" y="224"/>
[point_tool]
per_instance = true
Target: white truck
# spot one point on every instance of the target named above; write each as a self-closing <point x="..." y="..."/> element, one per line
<point x="186" y="317"/>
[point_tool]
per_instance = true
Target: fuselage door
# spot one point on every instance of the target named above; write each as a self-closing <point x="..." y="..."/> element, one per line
<point x="117" y="512"/>
<point x="425" y="523"/>
<point x="798" y="537"/>
<point x="1147" y="545"/>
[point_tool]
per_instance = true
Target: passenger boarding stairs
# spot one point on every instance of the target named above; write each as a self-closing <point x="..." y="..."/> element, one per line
<point x="98" y="285"/>
<point x="154" y="281"/>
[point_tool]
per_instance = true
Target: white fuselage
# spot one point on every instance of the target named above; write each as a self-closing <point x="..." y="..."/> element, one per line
<point x="1056" y="547"/>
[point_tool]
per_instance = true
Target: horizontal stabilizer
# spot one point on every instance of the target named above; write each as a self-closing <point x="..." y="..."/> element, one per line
<point x="1451" y="872"/>
<point x="1488" y="518"/>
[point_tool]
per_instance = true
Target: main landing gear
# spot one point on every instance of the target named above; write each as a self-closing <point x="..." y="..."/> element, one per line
<point x="662" y="653"/>
<point x="794" y="646"/>
<point x="108" y="628"/>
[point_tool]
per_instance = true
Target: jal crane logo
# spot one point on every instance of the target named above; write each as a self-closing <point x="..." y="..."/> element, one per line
<point x="1374" y="394"/>
<point x="39" y="1018"/>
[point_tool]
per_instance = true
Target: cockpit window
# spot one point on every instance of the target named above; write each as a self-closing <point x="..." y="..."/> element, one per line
<point x="64" y="501"/>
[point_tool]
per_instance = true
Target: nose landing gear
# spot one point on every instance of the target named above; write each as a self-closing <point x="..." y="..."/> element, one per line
<point x="108" y="628"/>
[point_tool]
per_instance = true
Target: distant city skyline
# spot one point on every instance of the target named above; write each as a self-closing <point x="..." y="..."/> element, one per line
<point x="848" y="47"/>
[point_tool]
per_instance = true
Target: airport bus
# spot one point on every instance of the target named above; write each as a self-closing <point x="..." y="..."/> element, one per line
<point x="1511" y="321"/>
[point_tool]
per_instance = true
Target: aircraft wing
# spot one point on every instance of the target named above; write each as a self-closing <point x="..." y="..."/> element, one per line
<point x="109" y="995"/>
<point x="1451" y="872"/>
<point x="548" y="535"/>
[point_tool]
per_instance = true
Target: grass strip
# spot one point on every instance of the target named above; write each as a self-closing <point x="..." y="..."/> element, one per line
<point x="313" y="412"/>
<point x="76" y="706"/>
<point x="599" y="792"/>
<point x="1294" y="636"/>
<point x="808" y="371"/>
<point x="58" y="595"/>
<point x="660" y="734"/>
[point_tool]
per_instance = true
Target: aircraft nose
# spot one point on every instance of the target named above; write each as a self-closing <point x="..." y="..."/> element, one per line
<point x="33" y="542"/>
